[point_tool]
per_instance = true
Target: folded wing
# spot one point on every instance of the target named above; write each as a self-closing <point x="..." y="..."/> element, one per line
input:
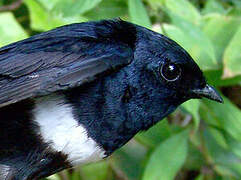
<point x="44" y="64"/>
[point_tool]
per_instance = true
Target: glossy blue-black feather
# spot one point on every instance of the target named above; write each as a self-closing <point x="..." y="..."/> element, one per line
<point x="63" y="58"/>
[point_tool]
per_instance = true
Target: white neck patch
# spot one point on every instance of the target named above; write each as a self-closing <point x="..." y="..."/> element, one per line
<point x="59" y="128"/>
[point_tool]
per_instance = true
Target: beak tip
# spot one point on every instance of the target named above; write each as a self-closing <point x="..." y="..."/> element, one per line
<point x="210" y="93"/>
<point x="220" y="100"/>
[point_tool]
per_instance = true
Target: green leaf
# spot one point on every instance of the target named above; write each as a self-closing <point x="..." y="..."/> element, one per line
<point x="219" y="137"/>
<point x="108" y="9"/>
<point x="193" y="40"/>
<point x="177" y="35"/>
<point x="200" y="177"/>
<point x="235" y="11"/>
<point x="237" y="3"/>
<point x="232" y="56"/>
<point x="213" y="6"/>
<point x="155" y="135"/>
<point x="95" y="171"/>
<point x="168" y="158"/>
<point x="192" y="107"/>
<point x="234" y="145"/>
<point x="195" y="159"/>
<point x="224" y="116"/>
<point x="128" y="160"/>
<point x="138" y="13"/>
<point x="216" y="29"/>
<point x="74" y="175"/>
<point x="202" y="48"/>
<point x="214" y="78"/>
<point x="184" y="9"/>
<point x="68" y="8"/>
<point x="156" y="4"/>
<point x="224" y="161"/>
<point x="10" y="30"/>
<point x="230" y="171"/>
<point x="48" y="4"/>
<point x="40" y="18"/>
<point x="43" y="20"/>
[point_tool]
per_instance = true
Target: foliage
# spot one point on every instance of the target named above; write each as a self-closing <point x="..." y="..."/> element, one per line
<point x="202" y="139"/>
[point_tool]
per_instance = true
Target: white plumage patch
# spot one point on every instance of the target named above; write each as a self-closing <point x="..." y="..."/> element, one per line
<point x="4" y="171"/>
<point x="59" y="128"/>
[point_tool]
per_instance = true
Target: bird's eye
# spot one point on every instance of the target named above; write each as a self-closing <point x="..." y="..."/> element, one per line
<point x="170" y="71"/>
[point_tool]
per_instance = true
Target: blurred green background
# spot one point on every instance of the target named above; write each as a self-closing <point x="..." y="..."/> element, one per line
<point x="201" y="139"/>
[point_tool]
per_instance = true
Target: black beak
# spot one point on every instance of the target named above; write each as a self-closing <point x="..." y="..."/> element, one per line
<point x="208" y="92"/>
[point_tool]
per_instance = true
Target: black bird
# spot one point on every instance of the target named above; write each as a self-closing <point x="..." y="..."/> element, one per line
<point x="77" y="93"/>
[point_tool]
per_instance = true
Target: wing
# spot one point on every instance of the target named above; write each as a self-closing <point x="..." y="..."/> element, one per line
<point x="46" y="63"/>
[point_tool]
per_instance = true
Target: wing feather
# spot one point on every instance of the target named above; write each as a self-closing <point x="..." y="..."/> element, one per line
<point x="27" y="71"/>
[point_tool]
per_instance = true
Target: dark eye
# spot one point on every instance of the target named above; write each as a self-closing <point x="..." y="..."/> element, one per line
<point x="170" y="71"/>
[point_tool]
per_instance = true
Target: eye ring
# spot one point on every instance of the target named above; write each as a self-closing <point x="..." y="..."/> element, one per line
<point x="170" y="71"/>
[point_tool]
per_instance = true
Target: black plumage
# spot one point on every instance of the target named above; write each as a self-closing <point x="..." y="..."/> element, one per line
<point x="119" y="79"/>
<point x="63" y="58"/>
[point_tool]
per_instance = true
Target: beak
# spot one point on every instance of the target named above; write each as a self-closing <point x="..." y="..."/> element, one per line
<point x="208" y="92"/>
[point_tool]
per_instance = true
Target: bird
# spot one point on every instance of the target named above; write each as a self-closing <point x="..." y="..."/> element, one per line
<point x="75" y="94"/>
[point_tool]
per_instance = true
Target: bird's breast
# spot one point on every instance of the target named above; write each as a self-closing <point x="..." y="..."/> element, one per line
<point x="60" y="130"/>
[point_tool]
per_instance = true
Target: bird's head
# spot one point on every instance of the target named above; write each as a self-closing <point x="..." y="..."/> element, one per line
<point x="167" y="74"/>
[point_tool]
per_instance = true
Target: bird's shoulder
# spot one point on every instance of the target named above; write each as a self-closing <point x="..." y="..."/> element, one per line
<point x="63" y="58"/>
